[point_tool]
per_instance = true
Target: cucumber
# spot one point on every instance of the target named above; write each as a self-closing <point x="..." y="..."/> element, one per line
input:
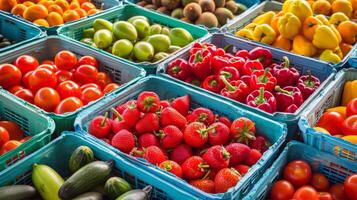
<point x="80" y="157"/>
<point x="85" y="179"/>
<point x="90" y="196"/>
<point x="47" y="181"/>
<point x="17" y="192"/>
<point x="115" y="186"/>
<point x="136" y="194"/>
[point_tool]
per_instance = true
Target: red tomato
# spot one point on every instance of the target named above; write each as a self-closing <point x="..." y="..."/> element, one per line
<point x="88" y="60"/>
<point x="4" y="136"/>
<point x="90" y="94"/>
<point x="15" y="88"/>
<point x="89" y="85"/>
<point x="14" y="130"/>
<point x="349" y="125"/>
<point x="42" y="78"/>
<point x="351" y="186"/>
<point x="337" y="192"/>
<point x="325" y="196"/>
<point x="320" y="182"/>
<point x="53" y="68"/>
<point x="9" y="145"/>
<point x="10" y="75"/>
<point x="103" y="79"/>
<point x="25" y="94"/>
<point x="50" y="62"/>
<point x="298" y="173"/>
<point x="306" y="193"/>
<point x="65" y="60"/>
<point x="63" y="75"/>
<point x="47" y="99"/>
<point x="332" y="122"/>
<point x="85" y="74"/>
<point x="25" y="79"/>
<point x="110" y="87"/>
<point x="282" y="190"/>
<point x="69" y="104"/>
<point x="68" y="89"/>
<point x="351" y="107"/>
<point x="26" y="63"/>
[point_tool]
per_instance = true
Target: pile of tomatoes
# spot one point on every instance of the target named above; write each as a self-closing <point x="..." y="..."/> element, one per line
<point x="11" y="136"/>
<point x="61" y="85"/>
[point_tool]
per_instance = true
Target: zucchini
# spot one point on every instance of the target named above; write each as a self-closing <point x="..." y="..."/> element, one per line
<point x="138" y="194"/>
<point x="115" y="186"/>
<point x="17" y="192"/>
<point x="80" y="157"/>
<point x="47" y="181"/>
<point x="85" y="179"/>
<point x="90" y="196"/>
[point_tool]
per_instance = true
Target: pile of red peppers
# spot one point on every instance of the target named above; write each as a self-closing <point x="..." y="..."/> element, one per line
<point x="250" y="77"/>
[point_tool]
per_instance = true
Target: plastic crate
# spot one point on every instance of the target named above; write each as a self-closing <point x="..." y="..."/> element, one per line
<point x="322" y="71"/>
<point x="47" y="48"/>
<point x="74" y="31"/>
<point x="34" y="124"/>
<point x="334" y="168"/>
<point x="167" y="89"/>
<point x="330" y="97"/>
<point x="18" y="31"/>
<point x="248" y="3"/>
<point x="353" y="59"/>
<point x="20" y="173"/>
<point x="269" y="5"/>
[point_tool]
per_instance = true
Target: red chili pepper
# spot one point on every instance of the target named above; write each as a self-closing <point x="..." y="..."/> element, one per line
<point x="179" y="69"/>
<point x="231" y="74"/>
<point x="242" y="54"/>
<point x="284" y="74"/>
<point x="236" y="90"/>
<point x="261" y="54"/>
<point x="308" y="84"/>
<point x="263" y="100"/>
<point x="264" y="79"/>
<point x="238" y="63"/>
<point x="288" y="99"/>
<point x="193" y="80"/>
<point x="250" y="66"/>
<point x="212" y="83"/>
<point x="218" y="62"/>
<point x="200" y="64"/>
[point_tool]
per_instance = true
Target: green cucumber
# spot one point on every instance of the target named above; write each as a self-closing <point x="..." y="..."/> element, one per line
<point x="138" y="194"/>
<point x="17" y="192"/>
<point x="89" y="196"/>
<point x="85" y="179"/>
<point x="47" y="181"/>
<point x="80" y="157"/>
<point x="115" y="186"/>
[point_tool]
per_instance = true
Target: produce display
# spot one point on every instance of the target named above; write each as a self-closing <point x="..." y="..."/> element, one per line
<point x="5" y="42"/>
<point x="296" y="29"/>
<point x="90" y="179"/>
<point x="11" y="136"/>
<point x="210" y="13"/>
<point x="135" y="39"/>
<point x="249" y="77"/>
<point x="347" y="7"/>
<point x="60" y="85"/>
<point x="299" y="182"/>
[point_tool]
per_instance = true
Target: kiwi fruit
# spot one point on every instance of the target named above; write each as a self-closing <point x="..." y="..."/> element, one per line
<point x="192" y="11"/>
<point x="163" y="10"/>
<point x="170" y="4"/>
<point x="177" y="13"/>
<point x="186" y="2"/>
<point x="223" y="14"/>
<point x="157" y="3"/>
<point x="185" y="19"/>
<point x="219" y="3"/>
<point x="232" y="6"/>
<point x="150" y="7"/>
<point x="142" y="3"/>
<point x="208" y="19"/>
<point x="207" y="5"/>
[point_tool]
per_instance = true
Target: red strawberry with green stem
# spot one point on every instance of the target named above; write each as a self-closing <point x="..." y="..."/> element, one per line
<point x="180" y="153"/>
<point x="260" y="143"/>
<point x="253" y="157"/>
<point x="131" y="115"/>
<point x="194" y="168"/>
<point x="100" y="126"/>
<point x="170" y="136"/>
<point x="219" y="135"/>
<point x="152" y="154"/>
<point x="120" y="108"/>
<point x="239" y="152"/>
<point x="164" y="104"/>
<point x="172" y="167"/>
<point x="148" y="102"/>
<point x="148" y="124"/>
<point x="118" y="122"/>
<point x="170" y="116"/>
<point x="148" y="139"/>
<point x="242" y="169"/>
<point x="204" y="184"/>
<point x="196" y="134"/>
<point x="217" y="157"/>
<point x="225" y="179"/>
<point x="243" y="129"/>
<point x="224" y="120"/>
<point x="181" y="104"/>
<point x="203" y="115"/>
<point x="124" y="141"/>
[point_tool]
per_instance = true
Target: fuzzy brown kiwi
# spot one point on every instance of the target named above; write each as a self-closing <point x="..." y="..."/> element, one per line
<point x="192" y="11"/>
<point x="223" y="14"/>
<point x="177" y="13"/>
<point x="157" y="3"/>
<point x="208" y="19"/>
<point x="219" y="3"/>
<point x="163" y="10"/>
<point x="232" y="6"/>
<point x="186" y="2"/>
<point x="207" y="5"/>
<point x="171" y="4"/>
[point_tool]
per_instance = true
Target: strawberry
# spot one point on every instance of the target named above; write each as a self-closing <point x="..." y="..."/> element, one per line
<point x="182" y="104"/>
<point x="164" y="104"/>
<point x="124" y="141"/>
<point x="217" y="157"/>
<point x="243" y="129"/>
<point x="205" y="185"/>
<point x="239" y="152"/>
<point x="196" y="134"/>
<point x="149" y="123"/>
<point x="194" y="168"/>
<point x="260" y="143"/>
<point x="154" y="155"/>
<point x="124" y="106"/>
<point x="148" y="139"/>
<point x="203" y="115"/>
<point x="225" y="121"/>
<point x="100" y="126"/>
<point x="170" y="116"/>
<point x="131" y="115"/>
<point x="171" y="166"/>
<point x="242" y="169"/>
<point x="170" y="136"/>
<point x="148" y="102"/>
<point x="219" y="135"/>
<point x="253" y="157"/>
<point x="180" y="153"/>
<point x="225" y="179"/>
<point x="118" y="122"/>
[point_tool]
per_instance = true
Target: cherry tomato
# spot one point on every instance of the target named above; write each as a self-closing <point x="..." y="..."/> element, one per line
<point x="68" y="89"/>
<point x="306" y="193"/>
<point x="25" y="139"/>
<point x="4" y="136"/>
<point x="320" y="182"/>
<point x="337" y="192"/>
<point x="110" y="87"/>
<point x="88" y="60"/>
<point x="85" y="74"/>
<point x="282" y="190"/>
<point x="25" y="79"/>
<point x="9" y="145"/>
<point x="26" y="63"/>
<point x="50" y="62"/>
<point x="42" y="78"/>
<point x="298" y="173"/>
<point x="90" y="94"/>
<point x="65" y="60"/>
<point x="47" y="99"/>
<point x="349" y="125"/>
<point x="103" y="79"/>
<point x="351" y="186"/>
<point x="53" y="68"/>
<point x="25" y="94"/>
<point x="63" y="75"/>
<point x="10" y="75"/>
<point x="69" y="104"/>
<point x="351" y="107"/>
<point x="89" y="85"/>
<point x="14" y="130"/>
<point x="332" y="122"/>
<point x="15" y="88"/>
<point x="325" y="196"/>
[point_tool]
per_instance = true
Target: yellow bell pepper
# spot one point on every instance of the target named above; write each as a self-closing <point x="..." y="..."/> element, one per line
<point x="338" y="52"/>
<point x="329" y="56"/>
<point x="339" y="109"/>
<point x="264" y="33"/>
<point x="338" y="35"/>
<point x="264" y="18"/>
<point x="245" y="33"/>
<point x="323" y="19"/>
<point x="300" y="8"/>
<point x="289" y="25"/>
<point x="325" y="38"/>
<point x="337" y="18"/>
<point x="349" y="92"/>
<point x="304" y="47"/>
<point x="322" y="130"/>
<point x="351" y="138"/>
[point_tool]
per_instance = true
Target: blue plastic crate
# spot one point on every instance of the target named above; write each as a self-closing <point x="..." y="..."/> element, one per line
<point x="324" y="72"/>
<point x="353" y="59"/>
<point x="18" y="31"/>
<point x="334" y="168"/>
<point x="57" y="153"/>
<point x="329" y="97"/>
<point x="167" y="89"/>
<point x="48" y="47"/>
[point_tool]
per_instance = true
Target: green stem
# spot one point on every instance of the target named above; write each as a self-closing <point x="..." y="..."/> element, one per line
<point x="264" y="78"/>
<point x="229" y="86"/>
<point x="198" y="57"/>
<point x="226" y="74"/>
<point x="309" y="82"/>
<point x="260" y="99"/>
<point x="286" y="62"/>
<point x="176" y="69"/>
<point x="104" y="120"/>
<point x="116" y="113"/>
<point x="281" y="90"/>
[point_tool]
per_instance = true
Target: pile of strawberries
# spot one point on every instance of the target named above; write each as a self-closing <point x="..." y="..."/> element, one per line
<point x="209" y="151"/>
